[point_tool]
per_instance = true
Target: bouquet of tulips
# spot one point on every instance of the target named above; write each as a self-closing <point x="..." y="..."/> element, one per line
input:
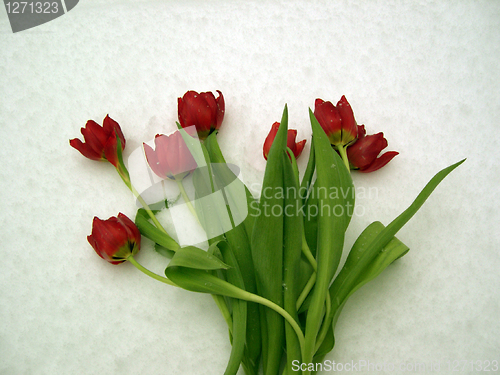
<point x="271" y="263"/>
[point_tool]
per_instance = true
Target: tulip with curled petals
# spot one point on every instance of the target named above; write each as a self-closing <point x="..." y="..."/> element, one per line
<point x="363" y="154"/>
<point x="100" y="141"/>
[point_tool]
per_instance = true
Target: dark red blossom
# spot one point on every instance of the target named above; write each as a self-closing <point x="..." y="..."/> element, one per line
<point x="337" y="121"/>
<point x="115" y="239"/>
<point x="100" y="141"/>
<point x="202" y="110"/>
<point x="363" y="154"/>
<point x="296" y="147"/>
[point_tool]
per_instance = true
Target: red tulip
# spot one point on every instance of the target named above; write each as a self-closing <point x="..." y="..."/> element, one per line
<point x="115" y="239"/>
<point x="201" y="110"/>
<point x="171" y="157"/>
<point x="290" y="141"/>
<point x="363" y="153"/>
<point x="337" y="122"/>
<point x="100" y="142"/>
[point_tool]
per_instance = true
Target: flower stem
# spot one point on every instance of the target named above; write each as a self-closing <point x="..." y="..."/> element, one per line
<point x="306" y="290"/>
<point x="132" y="260"/>
<point x="307" y="253"/>
<point x="263" y="301"/>
<point x="186" y="198"/>
<point x="148" y="210"/>
<point x="343" y="155"/>
<point x="126" y="179"/>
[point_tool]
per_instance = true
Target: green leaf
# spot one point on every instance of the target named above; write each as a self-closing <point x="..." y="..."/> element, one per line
<point x="348" y="277"/>
<point x="238" y="239"/>
<point x="306" y="184"/>
<point x="325" y="347"/>
<point x="164" y="251"/>
<point x="267" y="250"/>
<point x="216" y="157"/>
<point x="333" y="220"/>
<point x="293" y="228"/>
<point x="239" y="308"/>
<point x="395" y="249"/>
<point x="374" y="250"/>
<point x="148" y="230"/>
<point x="192" y="257"/>
<point x="201" y="281"/>
<point x="311" y="212"/>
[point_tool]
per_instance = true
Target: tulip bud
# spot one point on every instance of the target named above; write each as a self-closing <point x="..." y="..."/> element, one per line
<point x="202" y="110"/>
<point x="100" y="142"/>
<point x="115" y="239"/>
<point x="363" y="153"/>
<point x="171" y="157"/>
<point x="337" y="122"/>
<point x="290" y="141"/>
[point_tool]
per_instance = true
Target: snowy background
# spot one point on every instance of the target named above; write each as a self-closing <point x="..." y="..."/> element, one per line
<point x="423" y="72"/>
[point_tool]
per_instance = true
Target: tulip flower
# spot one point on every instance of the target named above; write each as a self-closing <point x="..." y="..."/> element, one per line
<point x="363" y="154"/>
<point x="100" y="141"/>
<point x="171" y="157"/>
<point x="202" y="110"/>
<point x="290" y="141"/>
<point x="337" y="122"/>
<point x="115" y="239"/>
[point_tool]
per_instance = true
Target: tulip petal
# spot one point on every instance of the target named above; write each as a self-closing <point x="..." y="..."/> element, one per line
<point x="85" y="149"/>
<point x="270" y="138"/>
<point x="290" y="138"/>
<point x="349" y="127"/>
<point x="152" y="158"/>
<point x="364" y="151"/>
<point x="330" y="120"/>
<point x="196" y="111"/>
<point x="110" y="151"/>
<point x="221" y="109"/>
<point x="380" y="162"/>
<point x="132" y="231"/>
<point x="112" y="128"/>
<point x="184" y="160"/>
<point x="361" y="131"/>
<point x="94" y="136"/>
<point x="299" y="147"/>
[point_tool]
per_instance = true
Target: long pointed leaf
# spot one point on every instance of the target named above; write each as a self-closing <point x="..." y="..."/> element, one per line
<point x="267" y="249"/>
<point x="293" y="228"/>
<point x="332" y="224"/>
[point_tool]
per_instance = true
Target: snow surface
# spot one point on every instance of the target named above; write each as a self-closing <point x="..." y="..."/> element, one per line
<point x="423" y="72"/>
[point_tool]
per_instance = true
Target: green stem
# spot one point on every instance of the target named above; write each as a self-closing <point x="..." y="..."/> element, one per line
<point x="186" y="198"/>
<point x="132" y="260"/>
<point x="343" y="155"/>
<point x="148" y="210"/>
<point x="263" y="301"/>
<point x="306" y="290"/>
<point x="326" y="322"/>
<point x="126" y="179"/>
<point x="323" y="331"/>
<point x="307" y="253"/>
